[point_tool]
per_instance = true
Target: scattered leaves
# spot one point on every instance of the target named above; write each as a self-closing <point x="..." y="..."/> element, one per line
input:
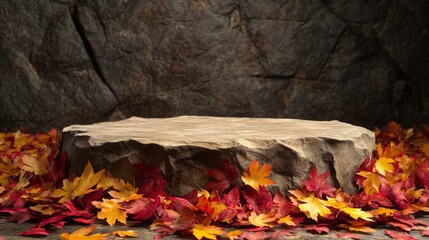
<point x="394" y="186"/>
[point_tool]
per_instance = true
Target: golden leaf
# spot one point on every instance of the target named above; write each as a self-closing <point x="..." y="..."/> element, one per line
<point x="287" y="220"/>
<point x="313" y="207"/>
<point x="111" y="211"/>
<point x="123" y="234"/>
<point x="262" y="220"/>
<point x="82" y="233"/>
<point x="211" y="232"/>
<point x="384" y="165"/>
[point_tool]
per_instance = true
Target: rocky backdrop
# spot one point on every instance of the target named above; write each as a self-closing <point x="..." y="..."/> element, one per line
<point x="68" y="62"/>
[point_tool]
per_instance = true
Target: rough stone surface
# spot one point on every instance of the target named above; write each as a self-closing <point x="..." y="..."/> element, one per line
<point x="184" y="148"/>
<point x="81" y="61"/>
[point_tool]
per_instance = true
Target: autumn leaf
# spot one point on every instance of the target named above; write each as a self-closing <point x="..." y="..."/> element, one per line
<point x="425" y="149"/>
<point x="355" y="213"/>
<point x="262" y="220"/>
<point x="318" y="184"/>
<point x="256" y="177"/>
<point x="209" y="232"/>
<point x="383" y="211"/>
<point x="111" y="211"/>
<point x="80" y="185"/>
<point x="397" y="235"/>
<point x="88" y="180"/>
<point x="348" y="235"/>
<point x="235" y="234"/>
<point x="364" y="229"/>
<point x="83" y="233"/>
<point x="124" y="191"/>
<point x="223" y="178"/>
<point x="35" y="231"/>
<point x="372" y="182"/>
<point x="287" y="220"/>
<point x="123" y="233"/>
<point x="314" y="207"/>
<point x="32" y="164"/>
<point x="383" y="165"/>
<point x="319" y="228"/>
<point x="43" y="209"/>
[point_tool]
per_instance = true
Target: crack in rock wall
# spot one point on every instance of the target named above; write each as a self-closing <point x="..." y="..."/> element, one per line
<point x="79" y="61"/>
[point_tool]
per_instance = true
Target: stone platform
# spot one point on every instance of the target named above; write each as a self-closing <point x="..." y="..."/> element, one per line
<point x="185" y="147"/>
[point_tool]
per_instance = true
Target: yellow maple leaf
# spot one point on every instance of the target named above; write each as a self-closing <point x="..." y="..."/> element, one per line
<point x="123" y="233"/>
<point x="106" y="181"/>
<point x="111" y="211"/>
<point x="355" y="213"/>
<point x="234" y="234"/>
<point x="382" y="210"/>
<point x="88" y="180"/>
<point x="364" y="229"/>
<point x="43" y="209"/>
<point x="124" y="191"/>
<point x="79" y="186"/>
<point x="313" y="207"/>
<point x="383" y="165"/>
<point x="66" y="192"/>
<point x="255" y="177"/>
<point x="83" y="233"/>
<point x="372" y="182"/>
<point x="407" y="165"/>
<point x="32" y="164"/>
<point x="287" y="220"/>
<point x="262" y="220"/>
<point x="211" y="232"/>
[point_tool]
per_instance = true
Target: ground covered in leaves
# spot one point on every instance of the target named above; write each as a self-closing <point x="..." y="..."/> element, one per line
<point x="394" y="188"/>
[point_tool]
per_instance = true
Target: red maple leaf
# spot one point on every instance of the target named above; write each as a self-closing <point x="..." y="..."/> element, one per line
<point x="258" y="201"/>
<point x="73" y="211"/>
<point x="35" y="232"/>
<point x="318" y="184"/>
<point x="51" y="220"/>
<point x="319" y="228"/>
<point x="150" y="180"/>
<point x="422" y="173"/>
<point x="224" y="177"/>
<point x="398" y="235"/>
<point x="348" y="235"/>
<point x="283" y="206"/>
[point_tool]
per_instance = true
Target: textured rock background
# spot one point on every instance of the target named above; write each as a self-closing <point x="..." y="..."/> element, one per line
<point x="184" y="148"/>
<point x="80" y="61"/>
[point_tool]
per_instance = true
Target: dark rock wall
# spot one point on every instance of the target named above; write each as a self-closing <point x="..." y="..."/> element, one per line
<point x="65" y="62"/>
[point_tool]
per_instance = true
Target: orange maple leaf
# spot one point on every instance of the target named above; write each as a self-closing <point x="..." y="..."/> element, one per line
<point x="82" y="233"/>
<point x="111" y="211"/>
<point x="255" y="177"/>
<point x="123" y="233"/>
<point x="372" y="182"/>
<point x="425" y="149"/>
<point x="211" y="232"/>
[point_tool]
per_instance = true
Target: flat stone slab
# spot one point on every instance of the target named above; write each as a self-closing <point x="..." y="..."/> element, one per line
<point x="185" y="147"/>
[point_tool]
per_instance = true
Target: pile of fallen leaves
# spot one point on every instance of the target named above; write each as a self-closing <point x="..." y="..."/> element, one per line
<point x="394" y="186"/>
